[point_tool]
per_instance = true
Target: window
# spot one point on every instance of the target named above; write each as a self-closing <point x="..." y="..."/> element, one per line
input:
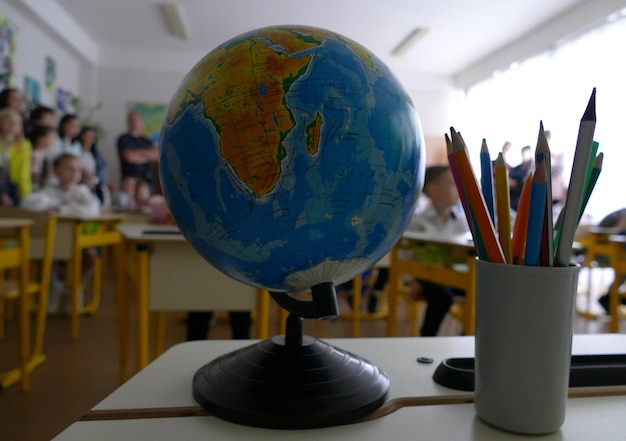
<point x="554" y="87"/>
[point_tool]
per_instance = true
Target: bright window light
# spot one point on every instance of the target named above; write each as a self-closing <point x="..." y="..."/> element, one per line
<point x="554" y="87"/>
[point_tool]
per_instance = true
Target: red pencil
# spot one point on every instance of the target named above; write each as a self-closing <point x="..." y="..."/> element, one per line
<point x="484" y="225"/>
<point x="521" y="220"/>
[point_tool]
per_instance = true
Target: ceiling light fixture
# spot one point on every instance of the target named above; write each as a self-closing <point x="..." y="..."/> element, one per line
<point x="409" y="41"/>
<point x="175" y="20"/>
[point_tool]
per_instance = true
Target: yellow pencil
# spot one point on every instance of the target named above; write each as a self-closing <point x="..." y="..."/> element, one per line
<point x="484" y="226"/>
<point x="503" y="204"/>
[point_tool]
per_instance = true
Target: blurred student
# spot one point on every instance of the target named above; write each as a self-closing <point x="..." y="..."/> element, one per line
<point x="95" y="168"/>
<point x="66" y="196"/>
<point x="518" y="174"/>
<point x="15" y="157"/>
<point x="442" y="217"/>
<point x="42" y="138"/>
<point x="41" y="116"/>
<point x="13" y="98"/>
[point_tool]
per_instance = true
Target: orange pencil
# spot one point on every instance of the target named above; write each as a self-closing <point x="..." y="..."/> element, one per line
<point x="521" y="220"/>
<point x="503" y="207"/>
<point x="484" y="225"/>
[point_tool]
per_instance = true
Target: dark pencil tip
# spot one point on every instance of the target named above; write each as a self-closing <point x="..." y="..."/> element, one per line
<point x="590" y="112"/>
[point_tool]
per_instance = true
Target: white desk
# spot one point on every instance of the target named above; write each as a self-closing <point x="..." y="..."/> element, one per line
<point x="171" y="276"/>
<point x="167" y="383"/>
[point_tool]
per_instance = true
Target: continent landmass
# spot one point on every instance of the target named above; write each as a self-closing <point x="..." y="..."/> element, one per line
<point x="252" y="121"/>
<point x="313" y="134"/>
<point x="246" y="116"/>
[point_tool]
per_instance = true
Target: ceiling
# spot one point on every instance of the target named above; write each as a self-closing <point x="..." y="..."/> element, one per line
<point x="461" y="32"/>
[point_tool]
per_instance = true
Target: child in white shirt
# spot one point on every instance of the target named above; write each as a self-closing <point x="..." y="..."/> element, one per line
<point x="66" y="196"/>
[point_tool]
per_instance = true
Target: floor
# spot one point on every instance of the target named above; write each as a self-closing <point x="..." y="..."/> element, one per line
<point x="77" y="375"/>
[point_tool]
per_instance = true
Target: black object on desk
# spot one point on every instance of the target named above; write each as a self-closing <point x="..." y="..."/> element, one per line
<point x="166" y="232"/>
<point x="585" y="371"/>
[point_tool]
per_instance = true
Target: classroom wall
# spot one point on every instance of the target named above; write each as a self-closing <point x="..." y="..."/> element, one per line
<point x="120" y="78"/>
<point x="34" y="44"/>
<point x="118" y="86"/>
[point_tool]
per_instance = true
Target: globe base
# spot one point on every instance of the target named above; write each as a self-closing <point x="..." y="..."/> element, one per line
<point x="279" y="385"/>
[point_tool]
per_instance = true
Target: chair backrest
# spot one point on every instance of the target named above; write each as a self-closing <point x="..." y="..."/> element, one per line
<point x="42" y="231"/>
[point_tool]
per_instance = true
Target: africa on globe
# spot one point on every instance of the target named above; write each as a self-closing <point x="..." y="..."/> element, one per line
<point x="291" y="156"/>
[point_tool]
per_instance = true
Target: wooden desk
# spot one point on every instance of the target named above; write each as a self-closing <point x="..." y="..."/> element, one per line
<point x="171" y="276"/>
<point x="403" y="262"/>
<point x="18" y="256"/>
<point x="166" y="383"/>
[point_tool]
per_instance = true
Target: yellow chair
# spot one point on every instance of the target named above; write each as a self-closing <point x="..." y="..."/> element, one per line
<point x="355" y="315"/>
<point x="595" y="246"/>
<point x="618" y="263"/>
<point x="76" y="233"/>
<point x="38" y="241"/>
<point x="404" y="263"/>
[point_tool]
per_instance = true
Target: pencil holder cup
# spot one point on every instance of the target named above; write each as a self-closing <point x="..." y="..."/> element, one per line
<point x="524" y="327"/>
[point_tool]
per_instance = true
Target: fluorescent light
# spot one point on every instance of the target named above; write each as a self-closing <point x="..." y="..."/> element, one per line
<point x="175" y="20"/>
<point x="409" y="41"/>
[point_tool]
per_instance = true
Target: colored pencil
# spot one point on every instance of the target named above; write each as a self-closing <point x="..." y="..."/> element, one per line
<point x="503" y="207"/>
<point x="521" y="220"/>
<point x="486" y="178"/>
<point x="595" y="173"/>
<point x="575" y="189"/>
<point x="547" y="246"/>
<point x="536" y="213"/>
<point x="594" y="152"/>
<point x="478" y="209"/>
<point x="459" y="183"/>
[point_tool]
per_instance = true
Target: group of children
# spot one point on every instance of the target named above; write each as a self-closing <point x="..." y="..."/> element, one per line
<point x="50" y="168"/>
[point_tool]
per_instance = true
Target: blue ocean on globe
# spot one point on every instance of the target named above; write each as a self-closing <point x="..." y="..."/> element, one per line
<point x="291" y="156"/>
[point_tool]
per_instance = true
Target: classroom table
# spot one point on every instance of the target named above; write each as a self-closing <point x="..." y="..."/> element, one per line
<point x="403" y="262"/>
<point x="161" y="399"/>
<point x="170" y="275"/>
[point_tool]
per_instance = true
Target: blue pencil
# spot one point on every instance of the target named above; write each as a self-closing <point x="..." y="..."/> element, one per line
<point x="486" y="179"/>
<point x="534" y="231"/>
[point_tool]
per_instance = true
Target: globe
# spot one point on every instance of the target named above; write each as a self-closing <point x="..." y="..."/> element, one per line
<point x="291" y="156"/>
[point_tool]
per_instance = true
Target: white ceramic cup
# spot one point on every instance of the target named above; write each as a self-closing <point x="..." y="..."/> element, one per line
<point x="524" y="327"/>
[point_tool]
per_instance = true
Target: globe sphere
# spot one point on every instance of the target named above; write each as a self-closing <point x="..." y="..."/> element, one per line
<point x="291" y="156"/>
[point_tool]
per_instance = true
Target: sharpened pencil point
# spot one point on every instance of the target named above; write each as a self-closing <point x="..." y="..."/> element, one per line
<point x="590" y="111"/>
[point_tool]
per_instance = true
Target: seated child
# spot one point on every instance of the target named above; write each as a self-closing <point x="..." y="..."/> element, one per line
<point x="42" y="138"/>
<point x="443" y="217"/>
<point x="65" y="196"/>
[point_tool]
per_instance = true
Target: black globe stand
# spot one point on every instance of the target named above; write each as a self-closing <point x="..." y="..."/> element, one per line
<point x="292" y="381"/>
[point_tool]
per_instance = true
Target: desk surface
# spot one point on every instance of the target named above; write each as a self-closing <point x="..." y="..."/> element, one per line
<point x="87" y="217"/>
<point x="151" y="233"/>
<point x="167" y="383"/>
<point x="7" y="223"/>
<point x="464" y="241"/>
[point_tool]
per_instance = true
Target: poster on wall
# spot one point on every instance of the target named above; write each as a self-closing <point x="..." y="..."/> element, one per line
<point x="152" y="115"/>
<point x="51" y="74"/>
<point x="7" y="52"/>
<point x="65" y="101"/>
<point x="32" y="92"/>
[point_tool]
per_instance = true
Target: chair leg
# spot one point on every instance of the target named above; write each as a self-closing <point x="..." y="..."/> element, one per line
<point x="75" y="285"/>
<point x="24" y="327"/>
<point x="96" y="288"/>
<point x="2" y="319"/>
<point x="262" y="314"/>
